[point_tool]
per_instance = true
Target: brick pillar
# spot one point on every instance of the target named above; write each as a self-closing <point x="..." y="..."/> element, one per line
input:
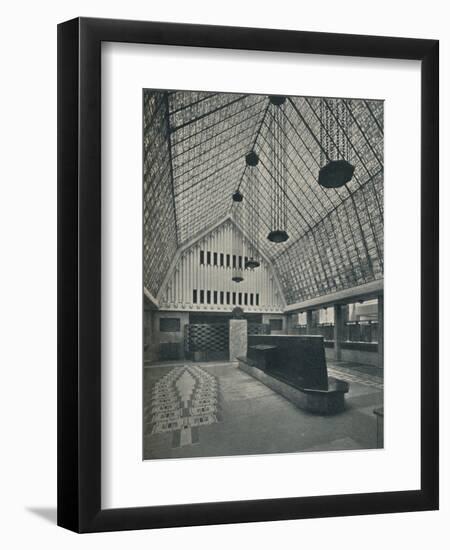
<point x="381" y="331"/>
<point x="338" y="332"/>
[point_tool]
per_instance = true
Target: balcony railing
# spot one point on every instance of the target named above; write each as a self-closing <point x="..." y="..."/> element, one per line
<point x="361" y="331"/>
<point x="354" y="331"/>
<point x="326" y="330"/>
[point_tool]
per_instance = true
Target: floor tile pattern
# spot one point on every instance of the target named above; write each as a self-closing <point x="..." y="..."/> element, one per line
<point x="350" y="375"/>
<point x="184" y="399"/>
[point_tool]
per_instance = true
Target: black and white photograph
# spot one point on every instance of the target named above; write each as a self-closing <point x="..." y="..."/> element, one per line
<point x="263" y="263"/>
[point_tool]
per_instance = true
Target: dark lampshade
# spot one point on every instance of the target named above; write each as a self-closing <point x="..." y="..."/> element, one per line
<point x="251" y="158"/>
<point x="336" y="174"/>
<point x="277" y="99"/>
<point x="251" y="263"/>
<point x="278" y="236"/>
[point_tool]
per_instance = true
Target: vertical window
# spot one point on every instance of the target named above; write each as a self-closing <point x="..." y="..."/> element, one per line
<point x="215" y="258"/>
<point x="240" y="262"/>
<point x="251" y="298"/>
<point x="228" y="298"/>
<point x="221" y="259"/>
<point x="194" y="296"/>
<point x="202" y="257"/>
<point x="245" y="262"/>
<point x="240" y="298"/>
<point x="245" y="299"/>
<point x="208" y="296"/>
<point x="234" y="298"/>
<point x="221" y="296"/>
<point x="215" y="296"/>
<point x="208" y="258"/>
<point x="228" y="260"/>
<point x="234" y="261"/>
<point x="202" y="296"/>
<point x="257" y="299"/>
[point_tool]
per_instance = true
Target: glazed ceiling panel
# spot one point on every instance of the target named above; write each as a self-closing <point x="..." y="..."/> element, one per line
<point x="335" y="235"/>
<point x="210" y="135"/>
<point x="159" y="234"/>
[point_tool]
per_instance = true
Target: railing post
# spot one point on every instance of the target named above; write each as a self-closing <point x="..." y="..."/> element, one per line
<point x="381" y="330"/>
<point x="338" y="331"/>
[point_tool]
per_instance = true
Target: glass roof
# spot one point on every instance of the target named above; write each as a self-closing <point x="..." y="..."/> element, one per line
<point x="195" y="145"/>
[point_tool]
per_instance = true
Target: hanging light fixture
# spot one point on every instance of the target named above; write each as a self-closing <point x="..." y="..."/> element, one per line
<point x="251" y="159"/>
<point x="237" y="196"/>
<point x="336" y="169"/>
<point x="277" y="137"/>
<point x="237" y="246"/>
<point x="238" y="253"/>
<point x="252" y="220"/>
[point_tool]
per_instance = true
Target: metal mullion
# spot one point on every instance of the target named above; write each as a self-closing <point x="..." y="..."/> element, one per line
<point x="332" y="248"/>
<point x="204" y="108"/>
<point x="257" y="132"/>
<point x="307" y="126"/>
<point x="343" y="204"/>
<point x="375" y="154"/>
<point x="210" y="181"/>
<point x="348" y="191"/>
<point x="149" y="124"/>
<point x="312" y="156"/>
<point x="208" y="176"/>
<point x="209" y="113"/>
<point x="220" y="121"/>
<point x="190" y="105"/>
<point x="371" y="224"/>
<point x="262" y="221"/>
<point x="356" y="177"/>
<point x="362" y="133"/>
<point x="294" y="206"/>
<point x="169" y="149"/>
<point x="304" y="179"/>
<point x="316" y="244"/>
<point x="342" y="241"/>
<point x="310" y="263"/>
<point x="182" y="192"/>
<point x="214" y="136"/>
<point x="146" y="173"/>
<point x="380" y="209"/>
<point x="369" y="108"/>
<point x="289" y="187"/>
<point x="210" y="158"/>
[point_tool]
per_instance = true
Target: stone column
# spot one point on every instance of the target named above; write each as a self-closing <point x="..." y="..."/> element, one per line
<point x="238" y="338"/>
<point x="381" y="331"/>
<point x="291" y="324"/>
<point x="338" y="332"/>
<point x="309" y="321"/>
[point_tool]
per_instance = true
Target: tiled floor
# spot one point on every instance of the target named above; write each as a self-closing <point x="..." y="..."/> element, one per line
<point x="354" y="372"/>
<point x="215" y="409"/>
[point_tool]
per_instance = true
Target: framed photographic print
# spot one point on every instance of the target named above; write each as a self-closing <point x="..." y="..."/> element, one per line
<point x="248" y="275"/>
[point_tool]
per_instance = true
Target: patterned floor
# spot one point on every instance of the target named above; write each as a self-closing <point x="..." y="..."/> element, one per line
<point x="215" y="409"/>
<point x="182" y="401"/>
<point x="350" y="374"/>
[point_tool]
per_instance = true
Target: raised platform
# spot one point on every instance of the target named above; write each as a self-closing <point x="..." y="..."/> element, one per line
<point x="319" y="401"/>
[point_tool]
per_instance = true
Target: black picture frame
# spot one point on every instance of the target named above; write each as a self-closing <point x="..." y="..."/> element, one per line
<point x="79" y="274"/>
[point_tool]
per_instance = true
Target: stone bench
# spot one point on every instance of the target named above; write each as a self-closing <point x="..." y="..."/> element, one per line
<point x="295" y="367"/>
<point x="262" y="356"/>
